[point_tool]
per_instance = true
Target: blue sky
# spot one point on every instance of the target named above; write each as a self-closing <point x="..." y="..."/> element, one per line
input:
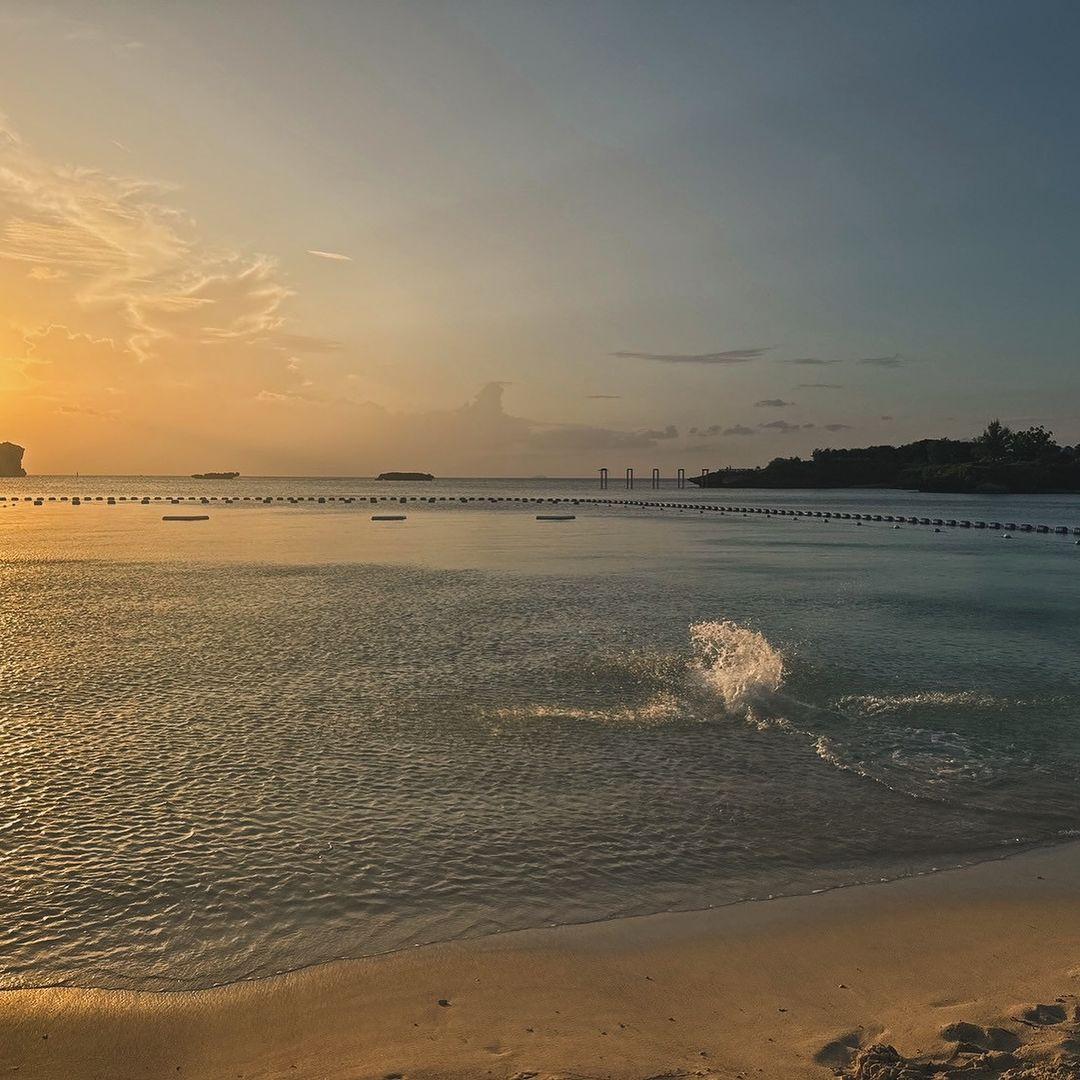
<point x="525" y="191"/>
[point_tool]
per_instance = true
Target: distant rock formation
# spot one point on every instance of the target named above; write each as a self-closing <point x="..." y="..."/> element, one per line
<point x="11" y="459"/>
<point x="404" y="476"/>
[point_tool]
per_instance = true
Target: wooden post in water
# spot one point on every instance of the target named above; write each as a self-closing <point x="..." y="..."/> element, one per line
<point x="656" y="479"/>
<point x="680" y="479"/>
<point x="629" y="479"/>
<point x="603" y="479"/>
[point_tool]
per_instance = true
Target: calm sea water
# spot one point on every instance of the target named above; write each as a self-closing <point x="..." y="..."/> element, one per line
<point x="290" y="734"/>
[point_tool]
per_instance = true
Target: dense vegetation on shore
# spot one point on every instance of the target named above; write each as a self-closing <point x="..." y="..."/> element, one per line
<point x="998" y="461"/>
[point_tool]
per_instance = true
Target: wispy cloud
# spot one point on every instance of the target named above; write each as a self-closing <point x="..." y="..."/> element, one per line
<point x="128" y="249"/>
<point x="670" y="432"/>
<point x="810" y="361"/>
<point x="781" y="426"/>
<point x="579" y="437"/>
<point x="53" y="356"/>
<point x="894" y="361"/>
<point x="603" y="397"/>
<point x="773" y="403"/>
<point x="837" y="427"/>
<point x="886" y="418"/>
<point x="820" y="386"/>
<point x="306" y="343"/>
<point x="46" y="273"/>
<point x="731" y="356"/>
<point x="71" y="29"/>
<point x="334" y="256"/>
<point x="82" y="410"/>
<point x="719" y="429"/>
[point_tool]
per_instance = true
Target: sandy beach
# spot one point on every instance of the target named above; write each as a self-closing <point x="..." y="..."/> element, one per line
<point x="978" y="967"/>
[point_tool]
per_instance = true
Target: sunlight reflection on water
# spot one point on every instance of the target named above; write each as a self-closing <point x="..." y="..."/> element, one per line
<point x="290" y="734"/>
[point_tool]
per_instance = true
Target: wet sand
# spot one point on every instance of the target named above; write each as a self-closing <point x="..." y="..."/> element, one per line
<point x="945" y="967"/>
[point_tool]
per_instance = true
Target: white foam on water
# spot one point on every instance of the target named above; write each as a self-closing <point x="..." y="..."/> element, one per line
<point x="661" y="708"/>
<point x="874" y="704"/>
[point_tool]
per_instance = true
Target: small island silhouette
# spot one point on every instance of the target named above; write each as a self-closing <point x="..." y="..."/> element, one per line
<point x="11" y="456"/>
<point x="404" y="476"/>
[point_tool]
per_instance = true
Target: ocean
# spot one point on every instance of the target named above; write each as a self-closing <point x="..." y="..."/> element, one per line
<point x="290" y="734"/>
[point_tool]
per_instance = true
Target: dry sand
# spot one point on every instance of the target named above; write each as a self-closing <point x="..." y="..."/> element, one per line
<point x="785" y="988"/>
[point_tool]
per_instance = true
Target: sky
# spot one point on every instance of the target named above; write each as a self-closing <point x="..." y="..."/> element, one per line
<point x="531" y="238"/>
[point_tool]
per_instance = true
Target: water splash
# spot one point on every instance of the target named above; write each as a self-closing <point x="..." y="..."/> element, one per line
<point x="734" y="663"/>
<point x="728" y="665"/>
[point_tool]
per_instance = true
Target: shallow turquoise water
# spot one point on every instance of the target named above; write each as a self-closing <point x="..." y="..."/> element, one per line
<point x="290" y="734"/>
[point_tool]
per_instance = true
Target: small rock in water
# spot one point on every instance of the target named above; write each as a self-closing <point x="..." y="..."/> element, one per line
<point x="444" y="1003"/>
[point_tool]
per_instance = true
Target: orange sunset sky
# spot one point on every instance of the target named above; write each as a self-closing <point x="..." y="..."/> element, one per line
<point x="501" y="239"/>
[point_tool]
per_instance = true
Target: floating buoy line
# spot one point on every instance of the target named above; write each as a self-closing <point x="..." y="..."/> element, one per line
<point x="1009" y="528"/>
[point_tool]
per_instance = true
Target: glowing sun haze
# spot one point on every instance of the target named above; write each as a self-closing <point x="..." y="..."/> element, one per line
<point x="510" y="238"/>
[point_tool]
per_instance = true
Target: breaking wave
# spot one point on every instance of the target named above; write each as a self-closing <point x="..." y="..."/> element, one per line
<point x="733" y="672"/>
<point x="728" y="666"/>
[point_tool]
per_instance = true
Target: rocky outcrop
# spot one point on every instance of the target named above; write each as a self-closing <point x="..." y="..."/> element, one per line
<point x="11" y="459"/>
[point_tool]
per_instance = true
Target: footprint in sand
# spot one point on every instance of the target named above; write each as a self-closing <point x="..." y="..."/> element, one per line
<point x="1041" y="1015"/>
<point x="979" y="1038"/>
<point x="841" y="1051"/>
<point x="1048" y="1050"/>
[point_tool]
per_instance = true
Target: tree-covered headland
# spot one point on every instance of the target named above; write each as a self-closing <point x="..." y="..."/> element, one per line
<point x="999" y="461"/>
